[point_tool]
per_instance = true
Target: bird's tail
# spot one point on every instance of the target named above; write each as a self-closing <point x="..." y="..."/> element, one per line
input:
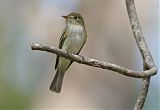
<point x="56" y="84"/>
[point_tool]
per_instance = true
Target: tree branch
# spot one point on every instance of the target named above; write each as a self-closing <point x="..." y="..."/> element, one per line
<point x="93" y="62"/>
<point x="146" y="55"/>
<point x="143" y="92"/>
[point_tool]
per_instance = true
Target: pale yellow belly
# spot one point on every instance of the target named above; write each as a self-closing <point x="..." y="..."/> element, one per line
<point x="73" y="45"/>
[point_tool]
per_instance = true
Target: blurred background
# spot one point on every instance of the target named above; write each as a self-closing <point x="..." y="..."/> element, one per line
<point x="25" y="75"/>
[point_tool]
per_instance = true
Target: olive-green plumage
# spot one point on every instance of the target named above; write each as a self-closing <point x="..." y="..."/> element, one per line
<point x="72" y="40"/>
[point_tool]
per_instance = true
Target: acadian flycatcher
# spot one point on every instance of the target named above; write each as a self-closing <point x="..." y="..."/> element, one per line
<point x="72" y="40"/>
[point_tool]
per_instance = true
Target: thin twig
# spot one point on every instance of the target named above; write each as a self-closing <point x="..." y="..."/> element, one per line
<point x="146" y="55"/>
<point x="143" y="92"/>
<point x="93" y="62"/>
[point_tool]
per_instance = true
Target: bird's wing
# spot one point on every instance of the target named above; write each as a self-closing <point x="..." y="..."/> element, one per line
<point x="61" y="41"/>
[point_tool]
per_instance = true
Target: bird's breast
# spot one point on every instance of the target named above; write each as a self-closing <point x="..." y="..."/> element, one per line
<point x="76" y="38"/>
<point x="76" y="28"/>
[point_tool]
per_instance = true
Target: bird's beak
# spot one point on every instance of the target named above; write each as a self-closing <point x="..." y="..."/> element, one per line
<point x="64" y="17"/>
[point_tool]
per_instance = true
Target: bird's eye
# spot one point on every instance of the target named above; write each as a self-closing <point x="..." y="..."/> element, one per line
<point x="75" y="17"/>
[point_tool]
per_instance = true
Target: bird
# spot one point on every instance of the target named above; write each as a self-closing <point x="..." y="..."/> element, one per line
<point x="72" y="40"/>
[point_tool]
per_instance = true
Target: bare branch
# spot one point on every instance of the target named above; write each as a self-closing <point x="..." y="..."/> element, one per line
<point x="93" y="62"/>
<point x="143" y="92"/>
<point x="146" y="55"/>
<point x="137" y="32"/>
